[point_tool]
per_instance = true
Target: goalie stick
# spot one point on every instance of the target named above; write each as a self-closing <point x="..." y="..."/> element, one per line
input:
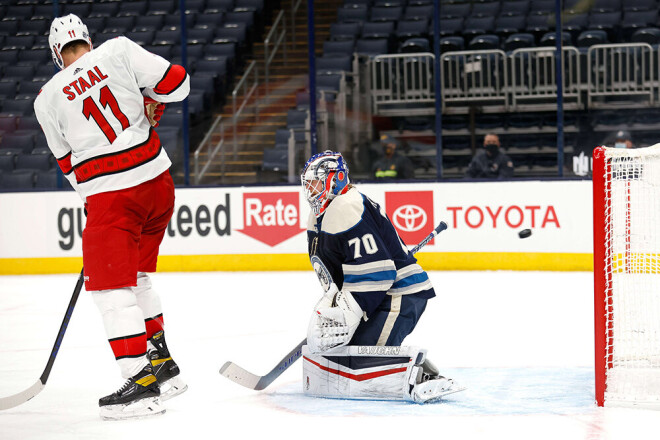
<point x="22" y="397"/>
<point x="243" y="377"/>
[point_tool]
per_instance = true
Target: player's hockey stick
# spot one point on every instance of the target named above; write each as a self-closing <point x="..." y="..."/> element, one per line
<point x="24" y="396"/>
<point x="243" y="377"/>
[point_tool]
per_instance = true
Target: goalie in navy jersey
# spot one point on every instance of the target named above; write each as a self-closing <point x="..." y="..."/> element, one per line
<point x="381" y="294"/>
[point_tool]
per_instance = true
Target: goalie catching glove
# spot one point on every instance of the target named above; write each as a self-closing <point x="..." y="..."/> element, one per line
<point x="333" y="322"/>
<point x="153" y="110"/>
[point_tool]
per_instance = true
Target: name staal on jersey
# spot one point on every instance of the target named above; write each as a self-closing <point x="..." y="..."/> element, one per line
<point x="92" y="114"/>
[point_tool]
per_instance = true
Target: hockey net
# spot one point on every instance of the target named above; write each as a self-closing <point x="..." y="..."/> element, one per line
<point x="626" y="185"/>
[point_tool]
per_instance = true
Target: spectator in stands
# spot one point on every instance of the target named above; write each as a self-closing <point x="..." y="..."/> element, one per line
<point x="622" y="139"/>
<point x="392" y="165"/>
<point x="490" y="162"/>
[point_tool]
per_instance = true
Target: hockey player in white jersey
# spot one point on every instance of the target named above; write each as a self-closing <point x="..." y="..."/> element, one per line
<point x="355" y="333"/>
<point x="94" y="115"/>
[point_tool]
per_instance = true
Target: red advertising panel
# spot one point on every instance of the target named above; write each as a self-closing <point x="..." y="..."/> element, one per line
<point x="271" y="218"/>
<point x="411" y="213"/>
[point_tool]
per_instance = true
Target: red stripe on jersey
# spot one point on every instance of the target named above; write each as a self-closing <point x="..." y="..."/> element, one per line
<point x="358" y="377"/>
<point x="118" y="162"/>
<point x="172" y="80"/>
<point x="65" y="163"/>
<point x="129" y="346"/>
<point x="154" y="325"/>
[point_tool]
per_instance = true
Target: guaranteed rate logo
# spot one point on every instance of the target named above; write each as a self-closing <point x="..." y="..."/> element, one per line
<point x="271" y="218"/>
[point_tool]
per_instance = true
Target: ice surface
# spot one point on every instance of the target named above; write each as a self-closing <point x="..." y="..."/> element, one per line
<point x="522" y="342"/>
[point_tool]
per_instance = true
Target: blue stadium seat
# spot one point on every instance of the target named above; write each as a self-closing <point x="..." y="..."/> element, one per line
<point x="149" y="22"/>
<point x="426" y="12"/>
<point x="590" y="37"/>
<point x="8" y="89"/>
<point x="200" y="36"/>
<point x="20" y="11"/>
<point x="30" y="87"/>
<point x="452" y="44"/>
<point x="46" y="179"/>
<point x="161" y="7"/>
<point x="34" y="162"/>
<point x="24" y="142"/>
<point x="105" y="9"/>
<point x="478" y="25"/>
<point x="135" y="8"/>
<point x="384" y="13"/>
<point x="635" y="20"/>
<point x="9" y="27"/>
<point x="606" y="6"/>
<point x="233" y="32"/>
<point x="222" y="5"/>
<point x="204" y="84"/>
<point x="506" y="25"/>
<point x="163" y="50"/>
<point x="119" y="24"/>
<point x="33" y="27"/>
<point x="19" y="41"/>
<point x="449" y="26"/>
<point x="340" y="48"/>
<point x="17" y="107"/>
<point x="282" y="136"/>
<point x="216" y="65"/>
<point x="17" y="179"/>
<point x="333" y="64"/>
<point x="379" y="29"/>
<point x="411" y="29"/>
<point x="647" y="35"/>
<point x="344" y="31"/>
<point x="549" y="39"/>
<point x="515" y="7"/>
<point x="8" y="56"/>
<point x="639" y="5"/>
<point x="175" y="19"/>
<point x="539" y="24"/>
<point x="7" y="162"/>
<point x="485" y="9"/>
<point x="358" y="14"/>
<point x="143" y="38"/>
<point x="95" y="24"/>
<point x="275" y="159"/>
<point x="215" y="19"/>
<point x="82" y="10"/>
<point x="241" y="17"/>
<point x="575" y="23"/>
<point x="195" y="5"/>
<point x="222" y="48"/>
<point x="544" y="6"/>
<point x="484" y="42"/>
<point x="415" y="45"/>
<point x="28" y="123"/>
<point x="518" y="41"/>
<point x="607" y="21"/>
<point x="167" y="37"/>
<point x="371" y="47"/>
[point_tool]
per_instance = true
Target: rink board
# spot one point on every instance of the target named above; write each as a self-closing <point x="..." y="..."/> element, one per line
<point x="263" y="228"/>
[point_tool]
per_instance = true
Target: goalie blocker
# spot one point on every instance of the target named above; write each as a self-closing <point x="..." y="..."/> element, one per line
<point x="374" y="373"/>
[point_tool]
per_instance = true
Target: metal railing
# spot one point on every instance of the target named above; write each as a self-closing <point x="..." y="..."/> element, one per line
<point x="275" y="38"/>
<point x="620" y="70"/>
<point x="534" y="77"/>
<point x="403" y="80"/>
<point x="248" y="86"/>
<point x="211" y="151"/>
<point x="295" y="7"/>
<point x="476" y="77"/>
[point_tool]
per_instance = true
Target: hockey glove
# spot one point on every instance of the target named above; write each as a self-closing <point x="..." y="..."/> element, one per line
<point x="153" y="110"/>
<point x="332" y="327"/>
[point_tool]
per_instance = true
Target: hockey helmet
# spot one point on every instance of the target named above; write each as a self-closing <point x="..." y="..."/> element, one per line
<point x="64" y="30"/>
<point x="324" y="176"/>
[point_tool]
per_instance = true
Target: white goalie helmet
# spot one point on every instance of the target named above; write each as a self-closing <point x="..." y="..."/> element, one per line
<point x="324" y="176"/>
<point x="64" y="30"/>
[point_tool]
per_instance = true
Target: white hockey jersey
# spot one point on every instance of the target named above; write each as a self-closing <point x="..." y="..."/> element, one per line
<point x="92" y="114"/>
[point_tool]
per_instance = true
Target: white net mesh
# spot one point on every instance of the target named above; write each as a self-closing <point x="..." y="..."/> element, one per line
<point x="632" y="302"/>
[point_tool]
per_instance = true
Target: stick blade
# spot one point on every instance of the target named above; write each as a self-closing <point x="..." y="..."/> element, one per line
<point x="240" y="375"/>
<point x="22" y="397"/>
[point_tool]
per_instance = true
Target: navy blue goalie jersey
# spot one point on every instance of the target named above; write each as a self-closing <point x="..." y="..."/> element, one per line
<point x="363" y="252"/>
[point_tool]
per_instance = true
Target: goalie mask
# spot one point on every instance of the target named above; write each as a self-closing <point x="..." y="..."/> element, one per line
<point x="63" y="31"/>
<point x="324" y="176"/>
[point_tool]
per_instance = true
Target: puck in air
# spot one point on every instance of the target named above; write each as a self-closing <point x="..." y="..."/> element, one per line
<point x="525" y="233"/>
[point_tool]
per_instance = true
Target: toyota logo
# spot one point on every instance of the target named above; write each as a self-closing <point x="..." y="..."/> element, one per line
<point x="409" y="218"/>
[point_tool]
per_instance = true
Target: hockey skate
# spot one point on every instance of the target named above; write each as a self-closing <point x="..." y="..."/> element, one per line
<point x="138" y="397"/>
<point x="431" y="386"/>
<point x="165" y="369"/>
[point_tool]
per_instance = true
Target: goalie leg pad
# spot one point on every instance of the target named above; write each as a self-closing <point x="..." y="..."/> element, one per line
<point x="362" y="372"/>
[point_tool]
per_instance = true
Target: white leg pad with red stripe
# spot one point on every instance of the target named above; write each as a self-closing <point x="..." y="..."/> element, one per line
<point x="363" y="372"/>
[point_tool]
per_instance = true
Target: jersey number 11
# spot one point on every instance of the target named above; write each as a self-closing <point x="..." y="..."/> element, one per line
<point x="91" y="109"/>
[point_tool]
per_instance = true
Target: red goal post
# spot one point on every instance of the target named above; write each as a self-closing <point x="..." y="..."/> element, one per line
<point x="626" y="207"/>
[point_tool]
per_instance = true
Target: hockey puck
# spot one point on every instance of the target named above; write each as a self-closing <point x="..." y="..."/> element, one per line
<point x="525" y="233"/>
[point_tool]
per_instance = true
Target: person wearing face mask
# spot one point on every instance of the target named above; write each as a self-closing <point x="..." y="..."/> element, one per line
<point x="491" y="162"/>
<point x="623" y="139"/>
<point x="392" y="165"/>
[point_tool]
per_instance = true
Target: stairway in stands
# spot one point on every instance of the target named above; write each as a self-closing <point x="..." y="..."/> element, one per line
<point x="286" y="79"/>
